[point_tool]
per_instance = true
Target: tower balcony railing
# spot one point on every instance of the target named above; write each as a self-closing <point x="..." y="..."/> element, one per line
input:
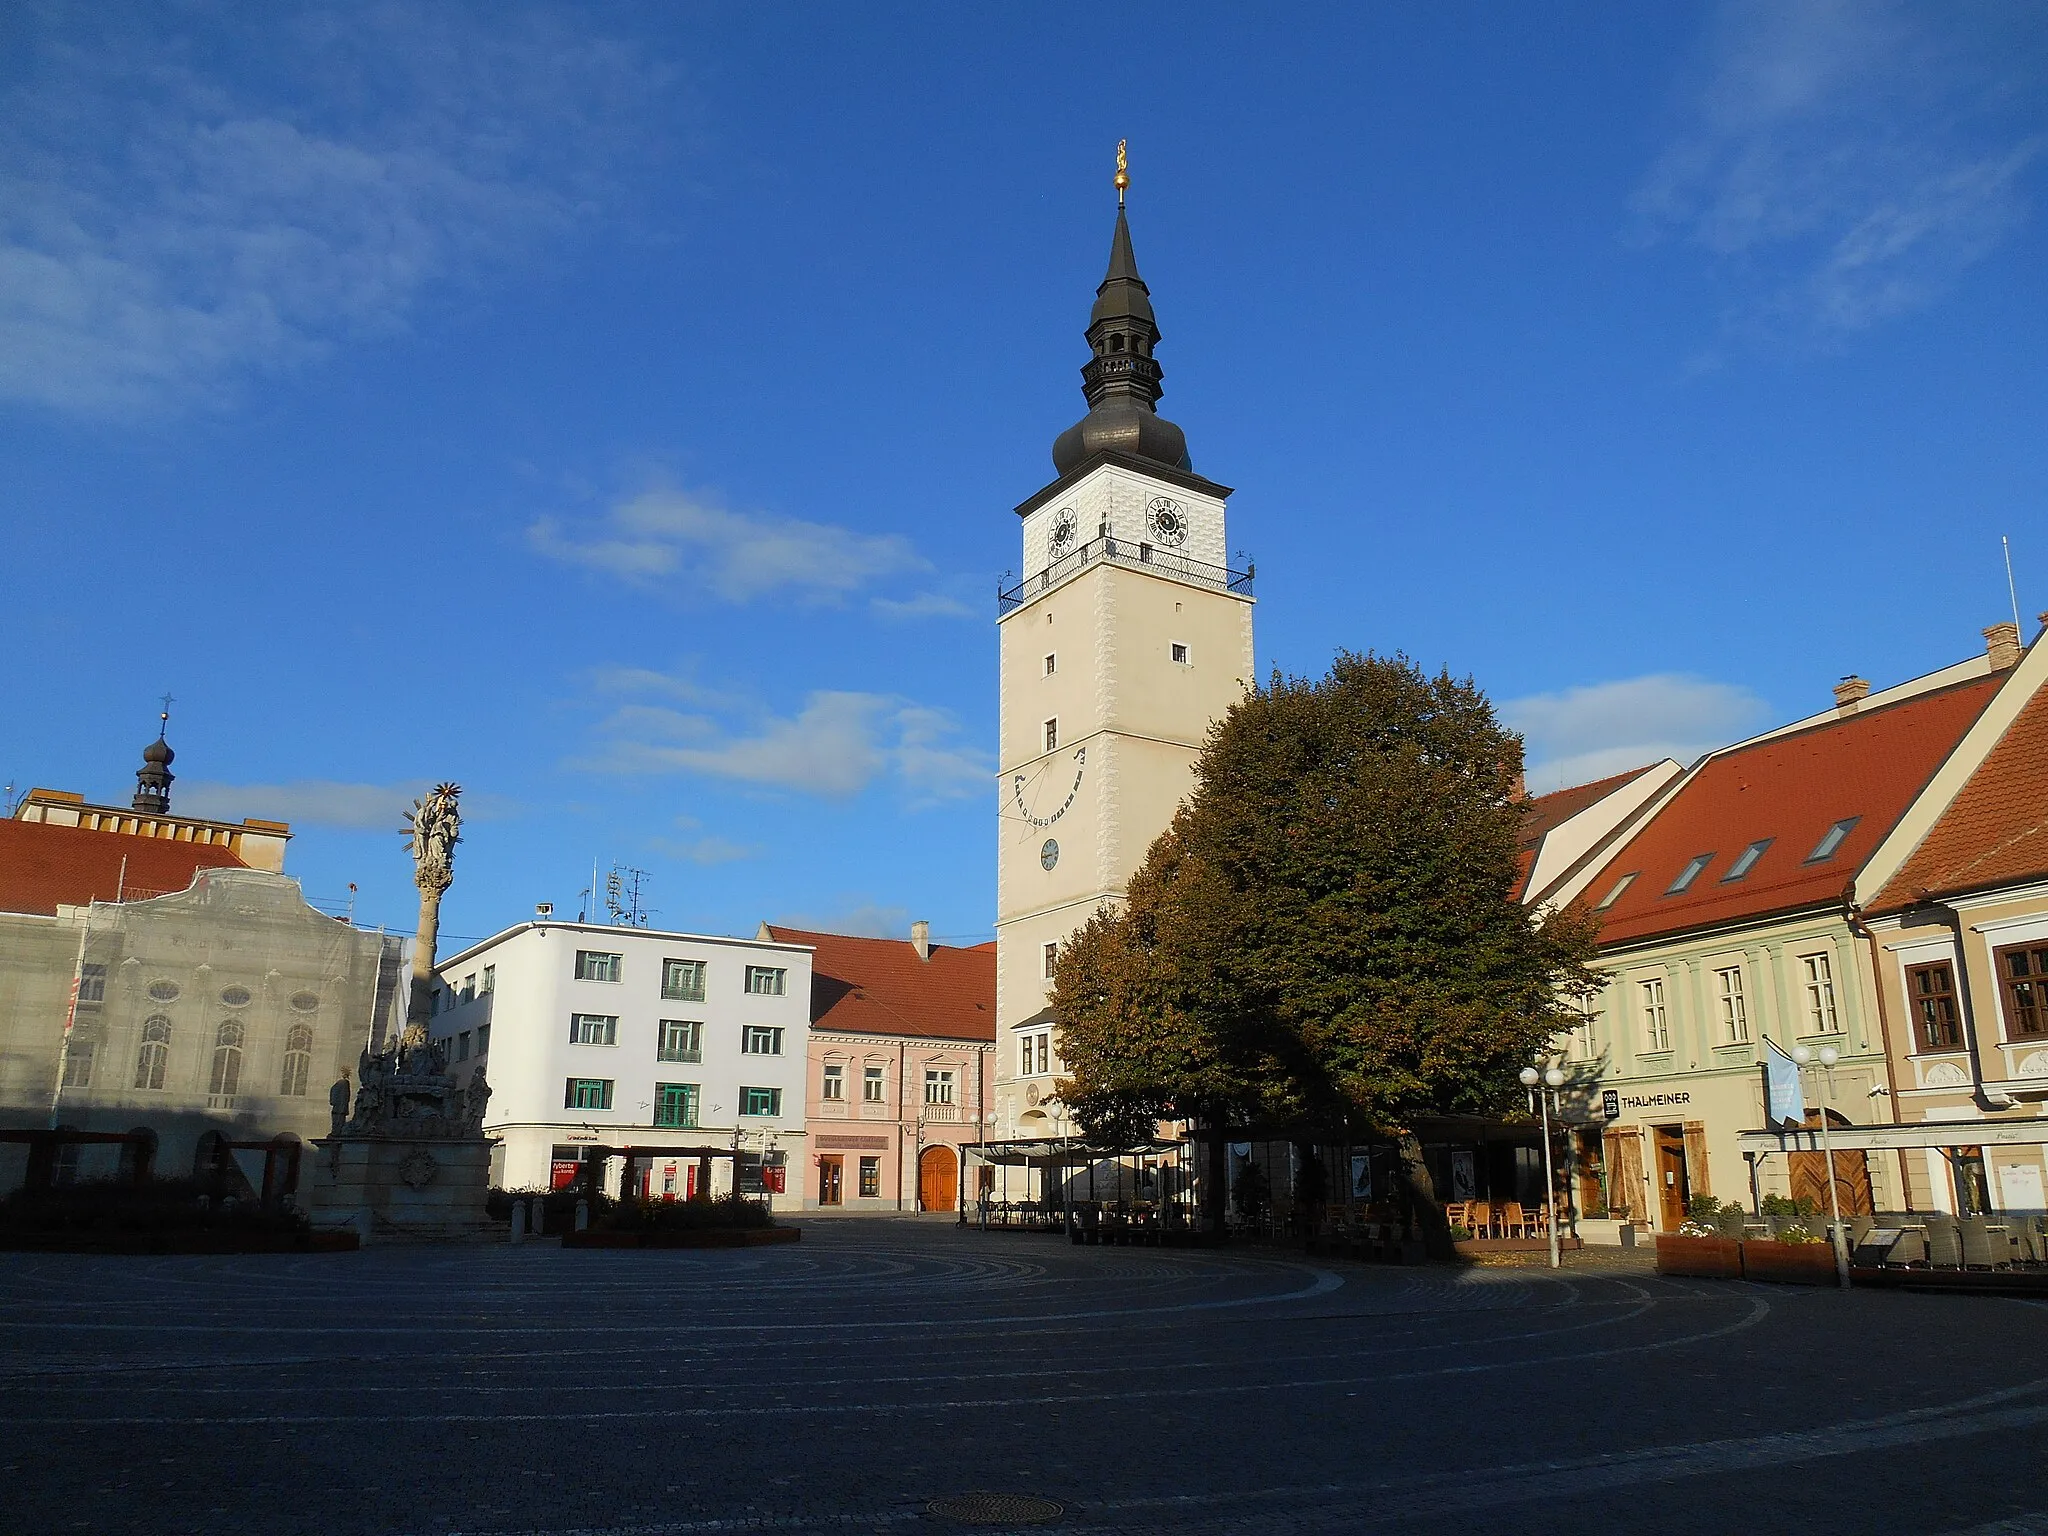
<point x="1132" y="554"/>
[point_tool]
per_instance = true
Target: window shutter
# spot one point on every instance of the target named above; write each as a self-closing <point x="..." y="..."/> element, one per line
<point x="1625" y="1162"/>
<point x="1696" y="1157"/>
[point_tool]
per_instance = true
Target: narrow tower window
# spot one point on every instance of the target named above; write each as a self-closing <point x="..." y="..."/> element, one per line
<point x="1052" y="735"/>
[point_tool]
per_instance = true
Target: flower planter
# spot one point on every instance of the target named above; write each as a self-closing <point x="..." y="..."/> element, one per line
<point x="1787" y="1263"/>
<point x="1713" y="1258"/>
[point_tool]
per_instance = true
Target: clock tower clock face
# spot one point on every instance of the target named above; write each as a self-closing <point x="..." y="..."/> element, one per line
<point x="1065" y="525"/>
<point x="1049" y="854"/>
<point x="1043" y="797"/>
<point x="1167" y="520"/>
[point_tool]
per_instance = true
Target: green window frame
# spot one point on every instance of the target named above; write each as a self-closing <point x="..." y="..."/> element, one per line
<point x="587" y="1093"/>
<point x="675" y="1106"/>
<point x="760" y="1101"/>
<point x="683" y="980"/>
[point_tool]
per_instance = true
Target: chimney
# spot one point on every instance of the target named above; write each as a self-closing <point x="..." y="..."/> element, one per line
<point x="1850" y="692"/>
<point x="2002" y="645"/>
<point x="921" y="938"/>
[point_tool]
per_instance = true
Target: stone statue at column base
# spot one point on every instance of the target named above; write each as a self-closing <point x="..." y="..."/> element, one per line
<point x="411" y="1159"/>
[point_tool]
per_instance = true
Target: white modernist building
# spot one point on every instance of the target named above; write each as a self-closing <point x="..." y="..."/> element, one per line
<point x="596" y="1036"/>
<point x="1128" y="637"/>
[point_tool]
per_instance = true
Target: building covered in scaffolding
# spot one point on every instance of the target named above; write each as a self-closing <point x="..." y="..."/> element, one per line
<point x="162" y="973"/>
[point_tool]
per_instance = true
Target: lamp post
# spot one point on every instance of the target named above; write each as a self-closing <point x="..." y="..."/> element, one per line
<point x="1552" y="1080"/>
<point x="1826" y="1057"/>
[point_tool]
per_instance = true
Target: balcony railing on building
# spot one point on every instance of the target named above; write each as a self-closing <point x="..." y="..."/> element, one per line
<point x="942" y="1112"/>
<point x="1136" y="556"/>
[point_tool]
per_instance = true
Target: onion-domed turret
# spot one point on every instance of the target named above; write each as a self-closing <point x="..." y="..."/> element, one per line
<point x="153" y="778"/>
<point x="1122" y="379"/>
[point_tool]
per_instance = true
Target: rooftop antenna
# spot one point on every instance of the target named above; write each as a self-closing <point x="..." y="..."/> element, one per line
<point x="622" y="896"/>
<point x="2012" y="593"/>
<point x="8" y="795"/>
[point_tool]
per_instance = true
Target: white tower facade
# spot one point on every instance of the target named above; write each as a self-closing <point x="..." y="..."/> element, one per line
<point x="1127" y="639"/>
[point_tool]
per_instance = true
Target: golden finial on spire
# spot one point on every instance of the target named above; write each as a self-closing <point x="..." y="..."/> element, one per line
<point x="1123" y="171"/>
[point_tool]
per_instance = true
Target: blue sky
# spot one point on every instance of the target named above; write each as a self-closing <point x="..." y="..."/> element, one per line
<point x="619" y="409"/>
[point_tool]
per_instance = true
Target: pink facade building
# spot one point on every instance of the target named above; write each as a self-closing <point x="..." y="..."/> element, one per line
<point x="901" y="1045"/>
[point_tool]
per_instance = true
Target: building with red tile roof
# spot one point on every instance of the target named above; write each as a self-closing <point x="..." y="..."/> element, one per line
<point x="1727" y="919"/>
<point x="902" y="1044"/>
<point x="159" y="970"/>
<point x="1955" y="923"/>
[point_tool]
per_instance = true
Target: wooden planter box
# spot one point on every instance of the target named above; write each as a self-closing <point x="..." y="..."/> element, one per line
<point x="702" y="1237"/>
<point x="1789" y="1263"/>
<point x="1713" y="1258"/>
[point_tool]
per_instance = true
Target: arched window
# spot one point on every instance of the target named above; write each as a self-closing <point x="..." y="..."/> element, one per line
<point x="155" y="1054"/>
<point x="298" y="1061"/>
<point x="227" y="1061"/>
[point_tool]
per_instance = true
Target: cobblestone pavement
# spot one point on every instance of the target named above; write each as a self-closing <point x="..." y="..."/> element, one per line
<point x="845" y="1382"/>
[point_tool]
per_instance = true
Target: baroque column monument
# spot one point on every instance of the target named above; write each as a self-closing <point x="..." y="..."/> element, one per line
<point x="411" y="1158"/>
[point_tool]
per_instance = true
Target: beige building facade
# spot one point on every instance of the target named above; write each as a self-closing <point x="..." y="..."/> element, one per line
<point x="1730" y="918"/>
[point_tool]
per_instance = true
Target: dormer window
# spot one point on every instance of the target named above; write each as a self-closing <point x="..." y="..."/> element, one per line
<point x="1745" y="861"/>
<point x="1620" y="886"/>
<point x="1832" y="839"/>
<point x="1690" y="873"/>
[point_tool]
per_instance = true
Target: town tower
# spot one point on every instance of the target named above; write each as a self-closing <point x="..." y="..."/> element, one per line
<point x="1127" y="637"/>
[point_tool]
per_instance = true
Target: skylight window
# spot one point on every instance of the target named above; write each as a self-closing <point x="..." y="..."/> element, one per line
<point x="1745" y="861"/>
<point x="1832" y="839"/>
<point x="1687" y="875"/>
<point x="1619" y="886"/>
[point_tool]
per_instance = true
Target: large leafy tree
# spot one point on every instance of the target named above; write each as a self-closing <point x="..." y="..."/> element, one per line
<point x="1329" y="930"/>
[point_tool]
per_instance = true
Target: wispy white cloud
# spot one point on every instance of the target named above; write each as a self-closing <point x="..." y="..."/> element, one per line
<point x="325" y="803"/>
<point x="689" y="545"/>
<point x="708" y="850"/>
<point x="192" y="195"/>
<point x="1586" y="733"/>
<point x="836" y="746"/>
<point x="856" y="916"/>
<point x="924" y="605"/>
<point x="1843" y="162"/>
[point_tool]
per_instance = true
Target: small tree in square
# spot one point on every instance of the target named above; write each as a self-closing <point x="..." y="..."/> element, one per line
<point x="1329" y="930"/>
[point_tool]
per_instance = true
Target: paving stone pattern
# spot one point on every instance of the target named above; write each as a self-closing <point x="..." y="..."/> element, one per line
<point x="846" y="1382"/>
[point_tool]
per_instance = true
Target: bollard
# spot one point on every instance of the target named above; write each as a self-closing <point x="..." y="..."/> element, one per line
<point x="518" y="1221"/>
<point x="582" y="1215"/>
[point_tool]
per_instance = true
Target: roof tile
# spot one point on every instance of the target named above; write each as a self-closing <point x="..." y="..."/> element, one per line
<point x="1995" y="831"/>
<point x="881" y="987"/>
<point x="44" y="866"/>
<point x="1789" y="789"/>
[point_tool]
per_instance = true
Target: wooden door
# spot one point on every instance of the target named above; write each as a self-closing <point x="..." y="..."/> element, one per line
<point x="831" y="1180"/>
<point x="1673" y="1193"/>
<point x="938" y="1173"/>
<point x="1809" y="1173"/>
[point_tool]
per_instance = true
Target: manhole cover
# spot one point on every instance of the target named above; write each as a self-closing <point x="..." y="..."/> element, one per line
<point x="995" y="1508"/>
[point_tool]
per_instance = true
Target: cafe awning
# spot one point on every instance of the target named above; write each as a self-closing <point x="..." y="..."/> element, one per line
<point x="2029" y="1132"/>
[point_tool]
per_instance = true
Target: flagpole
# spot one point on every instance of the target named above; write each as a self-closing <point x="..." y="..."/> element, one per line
<point x="1828" y="1056"/>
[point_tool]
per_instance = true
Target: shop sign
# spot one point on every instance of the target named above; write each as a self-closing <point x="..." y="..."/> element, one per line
<point x="1610" y="1104"/>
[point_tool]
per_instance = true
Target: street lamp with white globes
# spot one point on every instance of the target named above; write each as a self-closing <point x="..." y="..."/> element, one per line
<point x="1825" y="1058"/>
<point x="1552" y="1079"/>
